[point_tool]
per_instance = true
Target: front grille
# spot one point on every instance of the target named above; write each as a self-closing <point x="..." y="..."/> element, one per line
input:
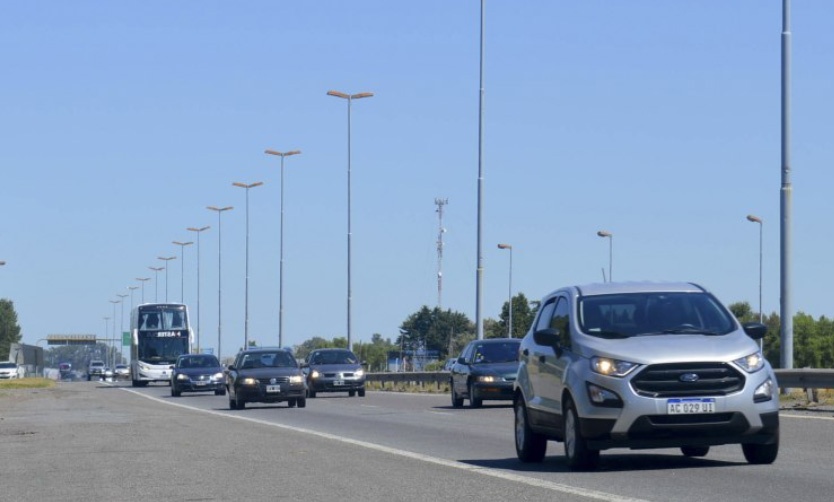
<point x="664" y="380"/>
<point x="339" y="375"/>
<point x="278" y="380"/>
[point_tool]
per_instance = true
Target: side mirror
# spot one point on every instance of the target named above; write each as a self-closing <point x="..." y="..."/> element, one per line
<point x="755" y="330"/>
<point x="461" y="360"/>
<point x="231" y="367"/>
<point x="549" y="337"/>
<point x="305" y="365"/>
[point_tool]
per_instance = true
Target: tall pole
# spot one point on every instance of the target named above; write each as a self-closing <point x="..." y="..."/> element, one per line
<point x="119" y="340"/>
<point x="107" y="335"/>
<point x="349" y="98"/>
<point x="786" y="312"/>
<point x="143" y="280"/>
<point x="111" y="360"/>
<point x="510" y="302"/>
<point x="166" y="259"/>
<point x="199" y="231"/>
<point x="610" y="236"/>
<point x="219" y="211"/>
<point x="247" y="186"/>
<point x="479" y="273"/>
<point x="156" y="271"/>
<point x="440" y="231"/>
<point x="182" y="267"/>
<point x="756" y="219"/>
<point x="281" y="266"/>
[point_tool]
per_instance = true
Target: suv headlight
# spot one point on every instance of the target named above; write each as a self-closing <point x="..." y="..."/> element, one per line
<point x="611" y="367"/>
<point x="182" y="377"/>
<point x="752" y="363"/>
<point x="487" y="378"/>
<point x="359" y="373"/>
<point x="296" y="379"/>
<point x="217" y="376"/>
<point x="315" y="374"/>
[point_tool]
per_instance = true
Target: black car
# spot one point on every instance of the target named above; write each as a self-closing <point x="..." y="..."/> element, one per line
<point x="486" y="369"/>
<point x="265" y="375"/>
<point x="197" y="373"/>
<point x="334" y="370"/>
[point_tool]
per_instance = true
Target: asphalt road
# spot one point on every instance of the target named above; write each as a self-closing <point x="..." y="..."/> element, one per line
<point x="111" y="442"/>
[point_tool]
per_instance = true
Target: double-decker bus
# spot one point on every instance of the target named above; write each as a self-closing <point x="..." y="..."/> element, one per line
<point x="159" y="332"/>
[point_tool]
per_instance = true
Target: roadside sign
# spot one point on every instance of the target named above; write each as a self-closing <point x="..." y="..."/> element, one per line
<point x="125" y="338"/>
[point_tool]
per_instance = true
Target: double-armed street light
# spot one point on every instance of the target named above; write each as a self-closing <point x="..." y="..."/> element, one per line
<point x="610" y="236"/>
<point x="281" y="266"/>
<point x="198" y="230"/>
<point x="349" y="98"/>
<point x="247" y="186"/>
<point x="166" y="259"/>
<point x="182" y="267"/>
<point x="156" y="271"/>
<point x="219" y="211"/>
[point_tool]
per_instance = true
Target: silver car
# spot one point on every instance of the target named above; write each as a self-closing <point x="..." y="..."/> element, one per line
<point x="643" y="365"/>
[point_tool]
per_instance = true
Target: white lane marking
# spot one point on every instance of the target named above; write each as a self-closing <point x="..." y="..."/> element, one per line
<point x="808" y="417"/>
<point x="486" y="471"/>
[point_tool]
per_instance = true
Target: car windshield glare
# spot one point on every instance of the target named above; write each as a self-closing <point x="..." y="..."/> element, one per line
<point x="636" y="314"/>
<point x="491" y="353"/>
<point x="267" y="360"/>
<point x="334" y="357"/>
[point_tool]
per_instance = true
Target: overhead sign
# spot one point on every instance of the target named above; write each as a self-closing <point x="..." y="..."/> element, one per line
<point x="126" y="338"/>
<point x="71" y="339"/>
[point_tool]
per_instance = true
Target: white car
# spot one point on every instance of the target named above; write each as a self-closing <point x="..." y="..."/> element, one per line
<point x="10" y="370"/>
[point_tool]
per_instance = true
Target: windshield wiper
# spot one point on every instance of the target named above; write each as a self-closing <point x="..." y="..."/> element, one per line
<point x="690" y="330"/>
<point x="608" y="334"/>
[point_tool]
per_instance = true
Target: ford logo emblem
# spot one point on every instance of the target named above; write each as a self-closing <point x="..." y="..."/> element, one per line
<point x="273" y="380"/>
<point x="689" y="377"/>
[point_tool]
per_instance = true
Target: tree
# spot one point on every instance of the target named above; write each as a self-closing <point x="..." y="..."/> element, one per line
<point x="317" y="342"/>
<point x="435" y="329"/>
<point x="9" y="329"/>
<point x="375" y="354"/>
<point x="523" y="316"/>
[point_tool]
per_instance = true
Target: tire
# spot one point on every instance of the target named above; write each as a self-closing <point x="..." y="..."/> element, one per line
<point x="232" y="403"/>
<point x="89" y="378"/>
<point x="457" y="402"/>
<point x="351" y="393"/>
<point x="240" y="403"/>
<point x="302" y="402"/>
<point x="473" y="402"/>
<point x="220" y="392"/>
<point x="291" y="403"/>
<point x="174" y="391"/>
<point x="761" y="453"/>
<point x="529" y="446"/>
<point x="311" y="394"/>
<point x="695" y="451"/>
<point x="361" y="392"/>
<point x="577" y="453"/>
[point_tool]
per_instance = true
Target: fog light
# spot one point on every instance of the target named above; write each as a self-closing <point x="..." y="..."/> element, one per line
<point x="600" y="396"/>
<point x="764" y="392"/>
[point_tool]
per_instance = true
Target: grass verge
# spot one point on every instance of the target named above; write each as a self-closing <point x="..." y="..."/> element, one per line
<point x="27" y="383"/>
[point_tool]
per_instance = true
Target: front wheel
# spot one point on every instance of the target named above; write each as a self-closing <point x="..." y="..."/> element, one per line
<point x="302" y="402"/>
<point x="351" y="393"/>
<point x="174" y="391"/>
<point x="457" y="402"/>
<point x="232" y="403"/>
<point x="761" y="453"/>
<point x="311" y="393"/>
<point x="577" y="453"/>
<point x="291" y="403"/>
<point x="529" y="446"/>
<point x="473" y="401"/>
<point x="361" y="392"/>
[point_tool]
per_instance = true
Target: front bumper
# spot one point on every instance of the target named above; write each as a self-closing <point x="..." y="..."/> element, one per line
<point x="259" y="394"/>
<point x="200" y="386"/>
<point x="493" y="391"/>
<point x="335" y="384"/>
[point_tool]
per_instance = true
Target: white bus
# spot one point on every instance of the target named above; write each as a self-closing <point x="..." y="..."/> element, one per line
<point x="159" y="332"/>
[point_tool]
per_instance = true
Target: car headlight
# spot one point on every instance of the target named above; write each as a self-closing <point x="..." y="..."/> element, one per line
<point x="611" y="367"/>
<point x="182" y="378"/>
<point x="315" y="374"/>
<point x="752" y="363"/>
<point x="296" y="379"/>
<point x="359" y="373"/>
<point x="250" y="381"/>
<point x="217" y="376"/>
<point x="486" y="378"/>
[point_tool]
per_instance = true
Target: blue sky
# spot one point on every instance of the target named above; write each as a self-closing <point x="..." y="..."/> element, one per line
<point x="657" y="121"/>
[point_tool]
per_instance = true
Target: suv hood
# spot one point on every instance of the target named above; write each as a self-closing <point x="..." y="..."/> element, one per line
<point x="660" y="349"/>
<point x="497" y="369"/>
<point x="335" y="368"/>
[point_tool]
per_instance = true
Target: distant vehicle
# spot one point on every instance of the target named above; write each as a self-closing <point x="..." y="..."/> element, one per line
<point x="10" y="371"/>
<point x="198" y="373"/>
<point x="65" y="371"/>
<point x="485" y="370"/>
<point x="108" y="373"/>
<point x="159" y="333"/>
<point x="334" y="370"/>
<point x="121" y="371"/>
<point x="265" y="375"/>
<point x="449" y="364"/>
<point x="643" y="365"/>
<point x="95" y="369"/>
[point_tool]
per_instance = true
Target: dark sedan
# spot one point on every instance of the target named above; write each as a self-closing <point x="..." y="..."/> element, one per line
<point x="197" y="373"/>
<point x="486" y="369"/>
<point x="265" y="375"/>
<point x="334" y="370"/>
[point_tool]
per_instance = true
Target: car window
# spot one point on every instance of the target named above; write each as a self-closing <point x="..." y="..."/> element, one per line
<point x="490" y="353"/>
<point x="561" y="321"/>
<point x="545" y="314"/>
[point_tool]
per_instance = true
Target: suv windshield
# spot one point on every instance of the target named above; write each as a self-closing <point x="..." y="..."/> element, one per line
<point x="638" y="314"/>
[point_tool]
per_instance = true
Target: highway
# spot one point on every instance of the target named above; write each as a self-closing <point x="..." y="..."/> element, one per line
<point x="394" y="446"/>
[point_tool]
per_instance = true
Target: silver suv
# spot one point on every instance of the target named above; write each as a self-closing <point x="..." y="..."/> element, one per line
<point x="642" y="365"/>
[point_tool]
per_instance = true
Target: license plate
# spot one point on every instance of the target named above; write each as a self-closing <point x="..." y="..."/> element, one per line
<point x="338" y="383"/>
<point x="198" y="383"/>
<point x="690" y="406"/>
<point x="273" y="388"/>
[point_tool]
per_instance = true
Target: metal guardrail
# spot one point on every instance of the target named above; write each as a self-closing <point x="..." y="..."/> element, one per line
<point x="805" y="378"/>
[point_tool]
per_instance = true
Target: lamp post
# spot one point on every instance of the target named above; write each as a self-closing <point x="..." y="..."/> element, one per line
<point x="510" y="304"/>
<point x="112" y="358"/>
<point x="220" y="211"/>
<point x="156" y="271"/>
<point x="479" y="270"/>
<point x="143" y="280"/>
<point x="281" y="266"/>
<point x="182" y="267"/>
<point x="610" y="236"/>
<point x="166" y="259"/>
<point x="119" y="340"/>
<point x="349" y="98"/>
<point x="199" y="231"/>
<point x="756" y="219"/>
<point x="246" y="287"/>
<point x="106" y="336"/>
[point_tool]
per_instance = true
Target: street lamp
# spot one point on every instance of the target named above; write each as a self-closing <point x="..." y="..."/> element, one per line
<point x="143" y="280"/>
<point x="156" y="271"/>
<point x="106" y="336"/>
<point x="756" y="219"/>
<point x="119" y="341"/>
<point x="610" y="236"/>
<point x="132" y="289"/>
<point x="281" y="266"/>
<point x="246" y="287"/>
<point x="199" y="231"/>
<point x="182" y="267"/>
<point x="220" y="211"/>
<point x="112" y="358"/>
<point x="349" y="98"/>
<point x="510" y="304"/>
<point x="166" y="259"/>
